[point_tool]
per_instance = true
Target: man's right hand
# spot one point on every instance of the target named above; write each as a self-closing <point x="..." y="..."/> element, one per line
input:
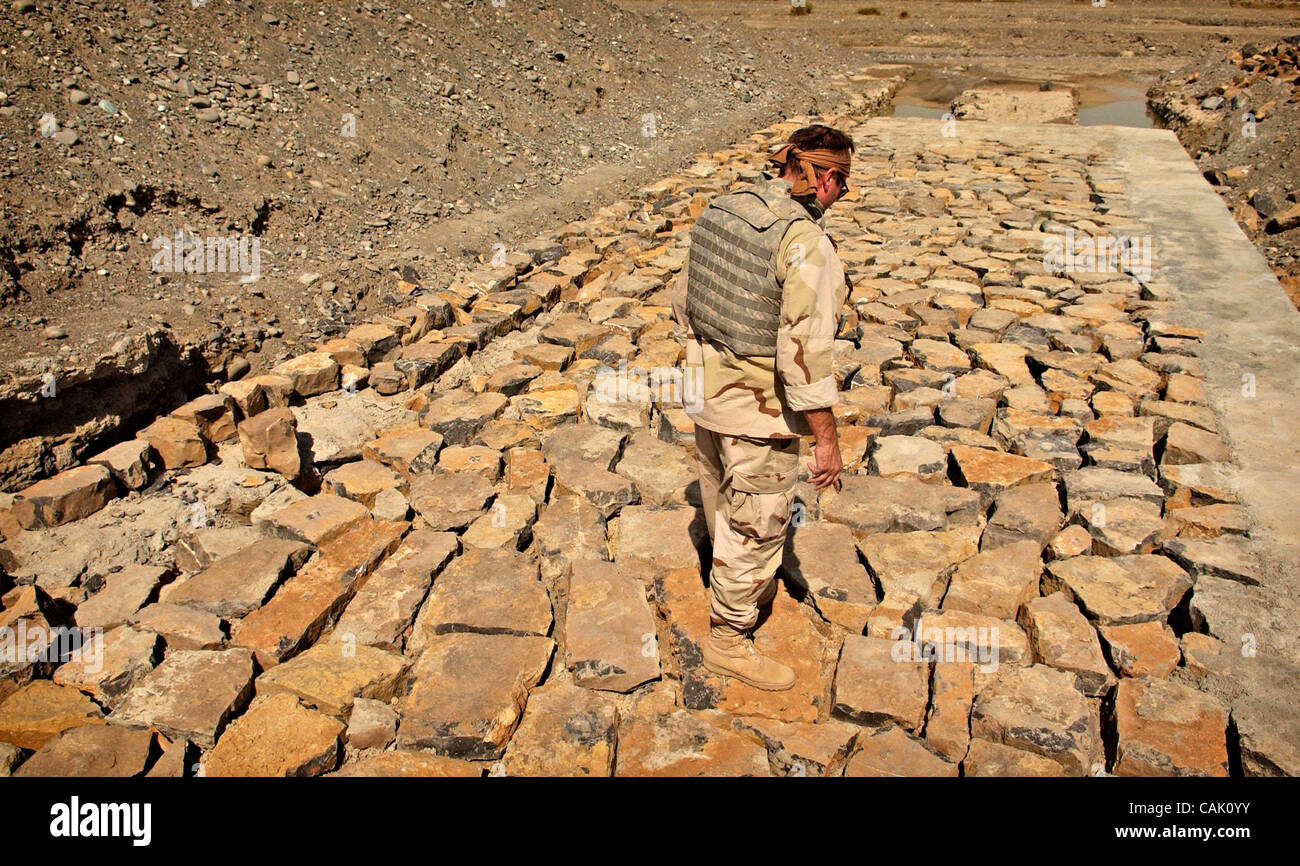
<point x="826" y="470"/>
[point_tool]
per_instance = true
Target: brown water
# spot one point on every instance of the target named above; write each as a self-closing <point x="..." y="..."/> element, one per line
<point x="1102" y="99"/>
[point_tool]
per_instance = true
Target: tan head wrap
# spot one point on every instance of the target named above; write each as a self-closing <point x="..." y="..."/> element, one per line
<point x="806" y="159"/>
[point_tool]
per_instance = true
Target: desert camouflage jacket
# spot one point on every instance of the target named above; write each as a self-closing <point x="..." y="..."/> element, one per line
<point x="764" y="397"/>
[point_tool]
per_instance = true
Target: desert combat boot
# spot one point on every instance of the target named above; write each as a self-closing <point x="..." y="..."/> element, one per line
<point x="732" y="653"/>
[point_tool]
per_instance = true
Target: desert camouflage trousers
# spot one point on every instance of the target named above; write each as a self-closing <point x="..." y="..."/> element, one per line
<point x="747" y="490"/>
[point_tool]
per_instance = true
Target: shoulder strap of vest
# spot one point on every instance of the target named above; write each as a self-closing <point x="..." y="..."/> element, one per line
<point x="761" y="205"/>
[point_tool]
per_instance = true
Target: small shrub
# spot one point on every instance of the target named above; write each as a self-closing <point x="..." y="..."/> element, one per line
<point x="868" y="10"/>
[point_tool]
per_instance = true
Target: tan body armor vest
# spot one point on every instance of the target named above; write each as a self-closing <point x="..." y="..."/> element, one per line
<point x="732" y="295"/>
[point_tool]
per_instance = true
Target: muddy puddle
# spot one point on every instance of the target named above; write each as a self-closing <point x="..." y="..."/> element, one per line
<point x="1101" y="100"/>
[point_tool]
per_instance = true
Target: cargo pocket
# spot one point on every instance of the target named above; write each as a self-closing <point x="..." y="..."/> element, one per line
<point x="760" y="516"/>
<point x="766" y="465"/>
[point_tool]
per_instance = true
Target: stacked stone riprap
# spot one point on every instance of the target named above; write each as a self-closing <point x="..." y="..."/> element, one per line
<point x="501" y="571"/>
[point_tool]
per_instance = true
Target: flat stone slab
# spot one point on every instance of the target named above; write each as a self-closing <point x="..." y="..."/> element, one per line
<point x="909" y="455"/>
<point x="996" y="582"/>
<point x="891" y="753"/>
<point x="547" y="409"/>
<point x="486" y="592"/>
<point x="1062" y="637"/>
<point x="655" y="738"/>
<point x="566" y="731"/>
<point x="548" y="356"/>
<point x="38" y="711"/>
<point x="71" y="495"/>
<point x="408" y="764"/>
<point x="468" y="692"/>
<point x="181" y="628"/>
<point x="128" y="461"/>
<point x="609" y="635"/>
<point x="1123" y="526"/>
<point x="1117" y="431"/>
<point x="957" y="636"/>
<point x="105" y="751"/>
<point x="575" y="332"/>
<point x="277" y="737"/>
<point x="1037" y="709"/>
<point x="975" y="413"/>
<point x="823" y="558"/>
<point x="606" y="490"/>
<point x="1141" y="649"/>
<point x="238" y="584"/>
<point x="1005" y="359"/>
<point x="1187" y="444"/>
<point x="1230" y="557"/>
<point x="458" y="415"/>
<point x="917" y="562"/>
<point x="312" y="373"/>
<point x="990" y="472"/>
<point x="311" y="600"/>
<point x="936" y="355"/>
<point x="527" y="472"/>
<point x="382" y="611"/>
<point x="191" y="695"/>
<point x="802" y="748"/>
<point x="569" y="528"/>
<point x="947" y="722"/>
<point x="1168" y="729"/>
<point x="869" y="504"/>
<point x="450" y="501"/>
<point x="471" y="459"/>
<point x="512" y="378"/>
<point x="1199" y="484"/>
<point x="1209" y="521"/>
<point x="1094" y="484"/>
<point x="1120" y="590"/>
<point x="363" y="480"/>
<point x="330" y="676"/>
<point x="424" y="361"/>
<point x="652" y="538"/>
<point x="507" y="525"/>
<point x="124" y="592"/>
<point x="995" y="759"/>
<point x="410" y="452"/>
<point x="317" y="519"/>
<point x="111" y="664"/>
<point x="873" y="688"/>
<point x="660" y="471"/>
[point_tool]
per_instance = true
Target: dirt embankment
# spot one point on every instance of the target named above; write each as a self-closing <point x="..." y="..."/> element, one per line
<point x="1237" y="112"/>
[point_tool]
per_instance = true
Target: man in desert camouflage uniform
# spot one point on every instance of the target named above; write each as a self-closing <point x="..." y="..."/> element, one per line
<point x="758" y="305"/>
